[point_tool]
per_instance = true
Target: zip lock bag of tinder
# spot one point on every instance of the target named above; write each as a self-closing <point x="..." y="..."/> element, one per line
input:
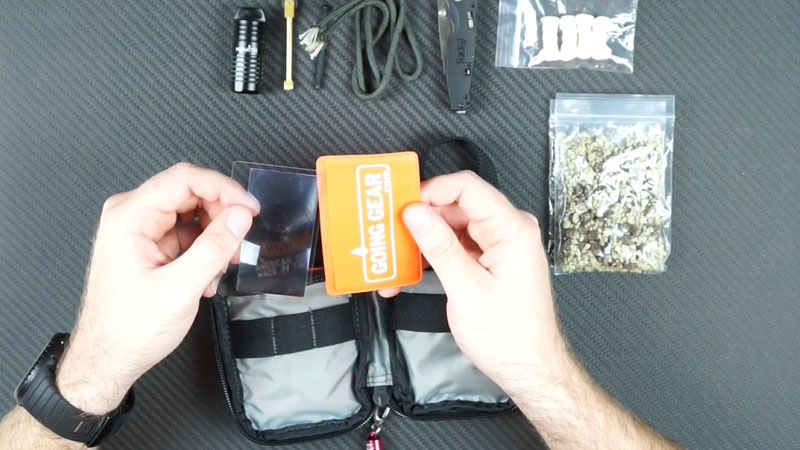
<point x="611" y="182"/>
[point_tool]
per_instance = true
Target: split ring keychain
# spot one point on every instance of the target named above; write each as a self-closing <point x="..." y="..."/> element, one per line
<point x="374" y="439"/>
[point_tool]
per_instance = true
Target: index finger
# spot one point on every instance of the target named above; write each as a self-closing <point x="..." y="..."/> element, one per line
<point x="179" y="188"/>
<point x="156" y="203"/>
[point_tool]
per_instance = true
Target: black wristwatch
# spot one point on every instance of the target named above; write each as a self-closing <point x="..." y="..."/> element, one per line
<point x="38" y="394"/>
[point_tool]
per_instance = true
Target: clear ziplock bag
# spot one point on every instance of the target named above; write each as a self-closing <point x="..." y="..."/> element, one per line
<point x="566" y="34"/>
<point x="610" y="182"/>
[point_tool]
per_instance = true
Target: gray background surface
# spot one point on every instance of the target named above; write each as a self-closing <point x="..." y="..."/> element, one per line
<point x="97" y="96"/>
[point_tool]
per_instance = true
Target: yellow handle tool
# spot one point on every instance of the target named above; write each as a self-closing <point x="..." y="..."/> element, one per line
<point x="288" y="12"/>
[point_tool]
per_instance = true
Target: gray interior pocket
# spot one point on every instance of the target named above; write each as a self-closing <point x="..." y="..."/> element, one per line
<point x="437" y="370"/>
<point x="295" y="388"/>
<point x="301" y="388"/>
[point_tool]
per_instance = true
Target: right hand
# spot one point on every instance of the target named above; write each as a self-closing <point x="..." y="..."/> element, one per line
<point x="491" y="262"/>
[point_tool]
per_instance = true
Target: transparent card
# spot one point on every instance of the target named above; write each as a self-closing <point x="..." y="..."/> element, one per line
<point x="276" y="252"/>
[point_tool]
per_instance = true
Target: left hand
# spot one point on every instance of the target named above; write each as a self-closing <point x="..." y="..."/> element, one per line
<point x="141" y="294"/>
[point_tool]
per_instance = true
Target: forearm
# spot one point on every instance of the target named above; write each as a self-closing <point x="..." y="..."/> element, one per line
<point x="19" y="430"/>
<point x="571" y="411"/>
<point x="82" y="385"/>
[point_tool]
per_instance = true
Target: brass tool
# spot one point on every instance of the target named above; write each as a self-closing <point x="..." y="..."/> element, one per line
<point x="288" y="12"/>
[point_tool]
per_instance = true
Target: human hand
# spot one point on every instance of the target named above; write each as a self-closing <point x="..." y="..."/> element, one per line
<point x="490" y="259"/>
<point x="141" y="295"/>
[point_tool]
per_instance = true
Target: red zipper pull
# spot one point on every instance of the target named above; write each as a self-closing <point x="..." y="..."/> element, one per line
<point x="374" y="440"/>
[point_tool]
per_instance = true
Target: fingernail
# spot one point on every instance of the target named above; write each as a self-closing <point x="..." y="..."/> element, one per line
<point x="215" y="284"/>
<point x="253" y="202"/>
<point x="418" y="219"/>
<point x="238" y="222"/>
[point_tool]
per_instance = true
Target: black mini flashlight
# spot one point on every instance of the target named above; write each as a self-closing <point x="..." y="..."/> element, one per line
<point x="247" y="49"/>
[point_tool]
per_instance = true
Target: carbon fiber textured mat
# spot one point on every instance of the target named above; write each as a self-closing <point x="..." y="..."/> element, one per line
<point x="97" y="96"/>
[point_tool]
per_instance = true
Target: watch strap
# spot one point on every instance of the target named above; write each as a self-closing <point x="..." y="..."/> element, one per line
<point x="39" y="395"/>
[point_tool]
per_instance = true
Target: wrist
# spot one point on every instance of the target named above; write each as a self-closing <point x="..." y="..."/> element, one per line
<point x="90" y="383"/>
<point x="552" y="364"/>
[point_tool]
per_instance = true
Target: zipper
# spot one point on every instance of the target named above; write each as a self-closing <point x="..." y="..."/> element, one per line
<point x="381" y="398"/>
<point x="226" y="390"/>
<point x="221" y="371"/>
<point x="462" y="417"/>
<point x="392" y="405"/>
<point x="379" y="416"/>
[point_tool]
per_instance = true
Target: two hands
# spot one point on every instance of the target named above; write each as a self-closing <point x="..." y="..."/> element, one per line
<point x="487" y="254"/>
<point x="165" y="244"/>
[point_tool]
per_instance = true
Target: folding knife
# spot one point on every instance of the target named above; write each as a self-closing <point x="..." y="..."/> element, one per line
<point x="457" y="41"/>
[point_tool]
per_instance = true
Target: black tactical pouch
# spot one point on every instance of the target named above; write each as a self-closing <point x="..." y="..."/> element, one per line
<point x="300" y="368"/>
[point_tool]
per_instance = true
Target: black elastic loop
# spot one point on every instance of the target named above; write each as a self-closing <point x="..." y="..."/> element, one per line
<point x="426" y="313"/>
<point x="281" y="335"/>
<point x="479" y="160"/>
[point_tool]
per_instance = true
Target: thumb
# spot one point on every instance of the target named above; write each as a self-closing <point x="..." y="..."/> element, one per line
<point x="441" y="247"/>
<point x="210" y="253"/>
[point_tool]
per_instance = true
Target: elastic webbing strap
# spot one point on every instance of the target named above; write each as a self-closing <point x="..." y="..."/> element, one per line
<point x="477" y="159"/>
<point x="426" y="313"/>
<point x="281" y="335"/>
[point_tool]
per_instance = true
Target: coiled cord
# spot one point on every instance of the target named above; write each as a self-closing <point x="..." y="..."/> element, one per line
<point x="393" y="23"/>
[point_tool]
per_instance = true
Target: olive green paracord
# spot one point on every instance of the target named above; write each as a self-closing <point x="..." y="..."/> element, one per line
<point x="367" y="37"/>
